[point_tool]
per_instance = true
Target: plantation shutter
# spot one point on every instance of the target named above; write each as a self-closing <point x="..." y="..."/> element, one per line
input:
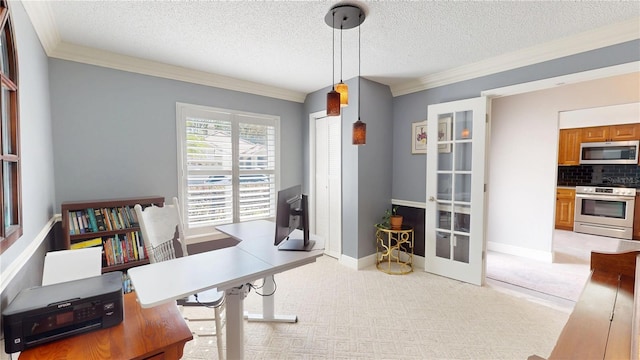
<point x="230" y="167"/>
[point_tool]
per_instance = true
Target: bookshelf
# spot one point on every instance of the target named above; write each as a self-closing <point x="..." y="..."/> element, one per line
<point x="111" y="224"/>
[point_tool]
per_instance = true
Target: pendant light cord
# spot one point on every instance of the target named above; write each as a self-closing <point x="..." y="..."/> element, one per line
<point x="333" y="52"/>
<point x="359" y="51"/>
<point x="341" y="50"/>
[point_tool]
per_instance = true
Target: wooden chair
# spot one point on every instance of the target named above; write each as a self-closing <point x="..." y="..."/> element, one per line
<point x="164" y="239"/>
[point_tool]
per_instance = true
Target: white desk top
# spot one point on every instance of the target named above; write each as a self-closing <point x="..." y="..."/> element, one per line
<point x="175" y="279"/>
<point x="256" y="237"/>
<point x="253" y="258"/>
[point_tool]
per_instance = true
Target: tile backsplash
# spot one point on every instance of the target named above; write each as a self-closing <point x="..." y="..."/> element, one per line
<point x="627" y="175"/>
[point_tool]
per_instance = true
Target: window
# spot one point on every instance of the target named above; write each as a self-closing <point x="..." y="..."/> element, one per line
<point x="10" y="212"/>
<point x="229" y="163"/>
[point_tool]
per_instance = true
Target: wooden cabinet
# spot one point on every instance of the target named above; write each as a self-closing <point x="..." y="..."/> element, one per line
<point x="569" y="147"/>
<point x="611" y="133"/>
<point x="636" y="219"/>
<point x="565" y="208"/>
<point x="625" y="132"/>
<point x="110" y="224"/>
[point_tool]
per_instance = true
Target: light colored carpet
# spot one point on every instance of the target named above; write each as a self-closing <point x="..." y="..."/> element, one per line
<point x="562" y="280"/>
<point x="367" y="314"/>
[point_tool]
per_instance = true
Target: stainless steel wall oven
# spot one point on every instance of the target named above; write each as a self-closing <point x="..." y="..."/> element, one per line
<point x="606" y="211"/>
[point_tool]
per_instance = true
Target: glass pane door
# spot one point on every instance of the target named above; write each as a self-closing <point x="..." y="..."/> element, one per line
<point x="455" y="182"/>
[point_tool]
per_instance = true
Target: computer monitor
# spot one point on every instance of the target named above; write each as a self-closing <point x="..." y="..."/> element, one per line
<point x="292" y="212"/>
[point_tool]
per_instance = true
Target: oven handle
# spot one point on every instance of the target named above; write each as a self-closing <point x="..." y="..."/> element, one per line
<point x="605" y="197"/>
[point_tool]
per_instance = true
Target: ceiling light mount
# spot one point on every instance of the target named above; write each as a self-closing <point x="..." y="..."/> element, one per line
<point x="349" y="16"/>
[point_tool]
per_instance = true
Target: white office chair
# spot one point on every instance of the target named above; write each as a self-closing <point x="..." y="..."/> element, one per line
<point x="159" y="227"/>
<point x="68" y="265"/>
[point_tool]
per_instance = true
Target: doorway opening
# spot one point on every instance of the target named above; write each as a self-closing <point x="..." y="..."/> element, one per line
<point x="557" y="253"/>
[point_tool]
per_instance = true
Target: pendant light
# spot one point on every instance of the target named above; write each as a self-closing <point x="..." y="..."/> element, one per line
<point x="350" y="16"/>
<point x="359" y="136"/>
<point x="342" y="88"/>
<point x="333" y="97"/>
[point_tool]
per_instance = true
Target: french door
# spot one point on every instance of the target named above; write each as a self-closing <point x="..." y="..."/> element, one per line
<point x="455" y="216"/>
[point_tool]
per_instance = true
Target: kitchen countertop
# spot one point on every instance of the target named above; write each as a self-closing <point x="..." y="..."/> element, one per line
<point x="573" y="187"/>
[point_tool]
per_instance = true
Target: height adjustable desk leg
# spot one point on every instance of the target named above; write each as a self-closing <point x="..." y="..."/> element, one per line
<point x="268" y="306"/>
<point x="235" y="325"/>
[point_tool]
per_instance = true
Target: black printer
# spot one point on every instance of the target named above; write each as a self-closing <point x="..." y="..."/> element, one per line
<point x="43" y="314"/>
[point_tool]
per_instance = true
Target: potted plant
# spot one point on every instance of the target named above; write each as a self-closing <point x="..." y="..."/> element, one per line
<point x="390" y="220"/>
<point x="395" y="220"/>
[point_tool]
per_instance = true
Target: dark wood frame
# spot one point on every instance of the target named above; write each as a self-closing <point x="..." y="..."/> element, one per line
<point x="68" y="239"/>
<point x="9" y="234"/>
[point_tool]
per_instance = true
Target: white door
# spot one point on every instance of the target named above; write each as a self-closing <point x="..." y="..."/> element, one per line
<point x="328" y="185"/>
<point x="455" y="216"/>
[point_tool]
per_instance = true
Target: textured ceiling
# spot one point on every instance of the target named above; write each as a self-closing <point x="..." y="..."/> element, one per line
<point x="286" y="44"/>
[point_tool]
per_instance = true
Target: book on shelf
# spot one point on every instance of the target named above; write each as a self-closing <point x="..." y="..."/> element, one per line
<point x="76" y="227"/>
<point x="134" y="217"/>
<point x="134" y="245"/>
<point x="99" y="220"/>
<point x="118" y="245"/>
<point x="123" y="248"/>
<point x="108" y="251"/>
<point x="129" y="212"/>
<point x="142" y="253"/>
<point x="114" y="218"/>
<point x="93" y="224"/>
<point x="72" y="229"/>
<point x="107" y="220"/>
<point x="87" y="243"/>
<point x="121" y="218"/>
<point x="85" y="223"/>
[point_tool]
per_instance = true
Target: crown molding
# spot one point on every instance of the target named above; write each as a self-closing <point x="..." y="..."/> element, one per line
<point x="562" y="80"/>
<point x="589" y="40"/>
<point x="44" y="23"/>
<point x="92" y="56"/>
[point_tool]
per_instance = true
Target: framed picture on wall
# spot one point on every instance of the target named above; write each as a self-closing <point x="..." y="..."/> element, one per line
<point x="419" y="137"/>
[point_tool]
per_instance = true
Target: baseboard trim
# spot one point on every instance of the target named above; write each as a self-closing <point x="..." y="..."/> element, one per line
<point x="22" y="259"/>
<point x="359" y="264"/>
<point x="539" y="255"/>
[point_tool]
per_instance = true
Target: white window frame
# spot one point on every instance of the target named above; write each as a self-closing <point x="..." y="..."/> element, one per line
<point x="184" y="110"/>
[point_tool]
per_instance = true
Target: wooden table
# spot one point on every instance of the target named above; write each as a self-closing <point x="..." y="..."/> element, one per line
<point x="154" y="333"/>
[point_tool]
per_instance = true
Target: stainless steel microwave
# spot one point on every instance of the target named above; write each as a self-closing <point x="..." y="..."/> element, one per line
<point x="610" y="152"/>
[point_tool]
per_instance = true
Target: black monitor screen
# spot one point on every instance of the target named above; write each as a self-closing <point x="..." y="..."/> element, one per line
<point x="292" y="213"/>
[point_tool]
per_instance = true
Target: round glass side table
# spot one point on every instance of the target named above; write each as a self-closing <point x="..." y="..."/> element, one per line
<point x="394" y="250"/>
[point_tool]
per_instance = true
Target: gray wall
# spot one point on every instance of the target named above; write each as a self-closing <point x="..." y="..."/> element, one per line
<point x="35" y="137"/>
<point x="366" y="170"/>
<point x="115" y="131"/>
<point x="413" y="107"/>
<point x="37" y="165"/>
<point x="375" y="176"/>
